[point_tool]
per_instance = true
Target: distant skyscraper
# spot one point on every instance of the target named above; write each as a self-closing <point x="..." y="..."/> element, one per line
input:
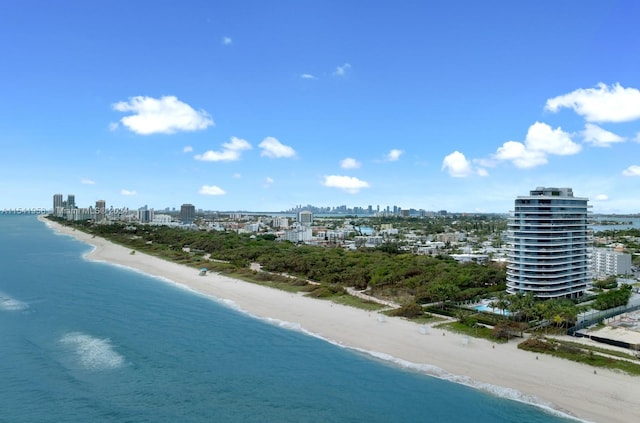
<point x="305" y="218"/>
<point x="57" y="202"/>
<point x="187" y="213"/>
<point x="550" y="244"/>
<point x="101" y="210"/>
<point x="71" y="201"/>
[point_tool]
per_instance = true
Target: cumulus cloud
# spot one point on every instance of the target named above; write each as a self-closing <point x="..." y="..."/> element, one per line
<point x="633" y="170"/>
<point x="87" y="182"/>
<point x="457" y="165"/>
<point x="227" y="41"/>
<point x="393" y="155"/>
<point x="307" y="76"/>
<point x="211" y="190"/>
<point x="274" y="149"/>
<point x="541" y="140"/>
<point x="187" y="149"/>
<point x="599" y="137"/>
<point x="231" y="151"/>
<point x="601" y="197"/>
<point x="600" y="104"/>
<point x="541" y="137"/>
<point x="127" y="192"/>
<point x="166" y="115"/>
<point x="342" y="70"/>
<point x="349" y="184"/>
<point x="522" y="157"/>
<point x="350" y="163"/>
<point x="482" y="172"/>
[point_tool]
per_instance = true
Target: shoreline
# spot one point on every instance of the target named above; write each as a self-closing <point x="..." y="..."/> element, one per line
<point x="562" y="386"/>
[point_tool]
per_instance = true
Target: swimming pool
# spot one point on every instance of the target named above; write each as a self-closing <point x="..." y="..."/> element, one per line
<point x="487" y="309"/>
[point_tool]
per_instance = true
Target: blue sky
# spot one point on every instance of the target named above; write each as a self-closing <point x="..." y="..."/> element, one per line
<point x="264" y="105"/>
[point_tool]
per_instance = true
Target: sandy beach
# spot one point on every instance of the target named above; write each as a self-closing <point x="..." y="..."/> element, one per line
<point x="572" y="388"/>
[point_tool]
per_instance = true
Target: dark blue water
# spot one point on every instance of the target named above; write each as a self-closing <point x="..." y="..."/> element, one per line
<point x="89" y="342"/>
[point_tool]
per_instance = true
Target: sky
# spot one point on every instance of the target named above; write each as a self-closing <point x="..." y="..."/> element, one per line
<point x="266" y="105"/>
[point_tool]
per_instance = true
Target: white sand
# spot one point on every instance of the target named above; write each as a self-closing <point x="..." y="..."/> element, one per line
<point x="563" y="385"/>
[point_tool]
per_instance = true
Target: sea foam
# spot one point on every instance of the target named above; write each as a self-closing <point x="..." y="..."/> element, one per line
<point x="11" y="304"/>
<point x="93" y="353"/>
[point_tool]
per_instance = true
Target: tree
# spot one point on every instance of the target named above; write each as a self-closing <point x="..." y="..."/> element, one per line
<point x="442" y="292"/>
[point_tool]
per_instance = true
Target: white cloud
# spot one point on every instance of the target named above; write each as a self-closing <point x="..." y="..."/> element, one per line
<point x="166" y="115"/>
<point x="237" y="176"/>
<point x="231" y="151"/>
<point x="227" y="41"/>
<point x="350" y="163"/>
<point x="520" y="156"/>
<point x="599" y="137"/>
<point x="349" y="184"/>
<point x="87" y="182"/>
<point x="541" y="140"/>
<point x="127" y="192"/>
<point x="342" y="70"/>
<point x="637" y="137"/>
<point x="187" y="149"/>
<point x="541" y="137"/>
<point x="113" y="126"/>
<point x="600" y="104"/>
<point x="602" y="197"/>
<point x="307" y="76"/>
<point x="393" y="155"/>
<point x="274" y="149"/>
<point x="633" y="170"/>
<point x="482" y="172"/>
<point x="268" y="182"/>
<point x="211" y="190"/>
<point x="457" y="165"/>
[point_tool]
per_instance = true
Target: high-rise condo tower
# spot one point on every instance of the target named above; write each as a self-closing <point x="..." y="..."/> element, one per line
<point x="550" y="244"/>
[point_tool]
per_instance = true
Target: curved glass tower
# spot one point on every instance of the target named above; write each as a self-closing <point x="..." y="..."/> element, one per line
<point x="549" y="244"/>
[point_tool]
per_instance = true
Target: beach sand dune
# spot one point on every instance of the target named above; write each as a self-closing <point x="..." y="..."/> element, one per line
<point x="569" y="387"/>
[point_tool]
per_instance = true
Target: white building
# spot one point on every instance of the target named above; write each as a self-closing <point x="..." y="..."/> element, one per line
<point x="549" y="244"/>
<point x="607" y="262"/>
<point x="280" y="222"/>
<point x="298" y="234"/>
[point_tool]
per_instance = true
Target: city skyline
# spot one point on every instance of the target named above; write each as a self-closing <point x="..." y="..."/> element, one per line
<point x="250" y="106"/>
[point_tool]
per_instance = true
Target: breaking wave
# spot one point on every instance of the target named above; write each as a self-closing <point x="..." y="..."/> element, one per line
<point x="11" y="304"/>
<point x="93" y="353"/>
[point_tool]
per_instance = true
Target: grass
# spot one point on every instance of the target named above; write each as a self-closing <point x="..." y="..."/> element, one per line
<point x="475" y="332"/>
<point x="427" y="318"/>
<point x="578" y="353"/>
<point x="593" y="348"/>
<point x="350" y="300"/>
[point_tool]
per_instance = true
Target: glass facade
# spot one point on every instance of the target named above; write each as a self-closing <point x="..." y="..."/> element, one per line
<point x="549" y="244"/>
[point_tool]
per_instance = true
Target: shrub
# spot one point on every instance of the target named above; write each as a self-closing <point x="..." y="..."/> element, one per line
<point x="409" y="310"/>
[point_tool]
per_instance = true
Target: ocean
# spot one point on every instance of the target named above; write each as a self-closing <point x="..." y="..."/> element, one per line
<point x="84" y="341"/>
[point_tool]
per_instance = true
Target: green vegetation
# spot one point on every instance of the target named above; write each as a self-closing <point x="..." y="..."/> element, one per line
<point x="609" y="283"/>
<point x="612" y="298"/>
<point x="476" y="331"/>
<point x="393" y="274"/>
<point x="409" y="310"/>
<point x="579" y="353"/>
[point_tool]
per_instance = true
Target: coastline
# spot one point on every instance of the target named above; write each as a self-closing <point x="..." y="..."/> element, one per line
<point x="568" y="387"/>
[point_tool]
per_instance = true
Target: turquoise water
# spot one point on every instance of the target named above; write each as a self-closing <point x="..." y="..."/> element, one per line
<point x="90" y="342"/>
<point x="486" y="308"/>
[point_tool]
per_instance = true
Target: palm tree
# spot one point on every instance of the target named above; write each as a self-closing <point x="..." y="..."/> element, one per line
<point x="501" y="303"/>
